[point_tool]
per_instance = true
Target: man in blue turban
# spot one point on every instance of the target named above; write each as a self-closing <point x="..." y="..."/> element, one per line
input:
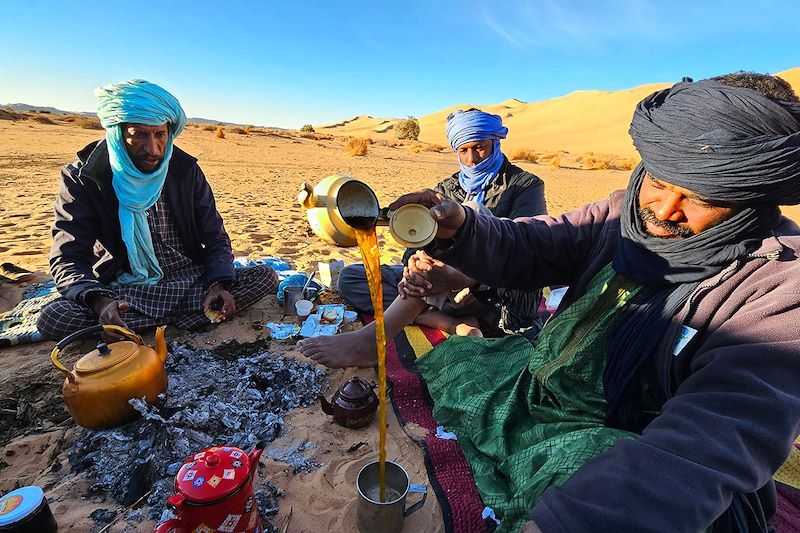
<point x="488" y="182"/>
<point x="137" y="238"/>
<point x="665" y="392"/>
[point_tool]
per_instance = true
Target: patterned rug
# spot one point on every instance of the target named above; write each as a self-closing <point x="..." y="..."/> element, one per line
<point x="18" y="326"/>
<point x="448" y="470"/>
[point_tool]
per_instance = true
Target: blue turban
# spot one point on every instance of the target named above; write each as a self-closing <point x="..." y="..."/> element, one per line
<point x="138" y="102"/>
<point x="470" y="126"/>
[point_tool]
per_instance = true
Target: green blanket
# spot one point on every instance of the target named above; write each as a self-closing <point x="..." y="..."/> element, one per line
<point x="527" y="417"/>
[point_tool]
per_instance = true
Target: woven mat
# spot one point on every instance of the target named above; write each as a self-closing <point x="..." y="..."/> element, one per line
<point x="448" y="470"/>
<point x="18" y="326"/>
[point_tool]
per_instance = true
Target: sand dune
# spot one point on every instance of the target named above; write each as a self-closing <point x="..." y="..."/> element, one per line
<point x="582" y="121"/>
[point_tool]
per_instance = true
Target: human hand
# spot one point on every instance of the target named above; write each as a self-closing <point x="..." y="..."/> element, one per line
<point x="425" y="275"/>
<point x="109" y="312"/>
<point x="220" y="301"/>
<point x="440" y="276"/>
<point x="448" y="214"/>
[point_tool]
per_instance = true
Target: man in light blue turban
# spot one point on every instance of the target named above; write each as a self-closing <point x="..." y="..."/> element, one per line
<point x="137" y="238"/>
<point x="487" y="181"/>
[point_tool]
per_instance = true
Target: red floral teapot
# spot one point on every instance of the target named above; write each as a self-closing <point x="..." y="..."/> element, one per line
<point x="214" y="492"/>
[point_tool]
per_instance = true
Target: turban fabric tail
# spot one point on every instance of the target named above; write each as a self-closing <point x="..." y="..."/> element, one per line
<point x="140" y="102"/>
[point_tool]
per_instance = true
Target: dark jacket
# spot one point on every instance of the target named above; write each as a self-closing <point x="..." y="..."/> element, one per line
<point x="513" y="193"/>
<point x="730" y="399"/>
<point x="88" y="253"/>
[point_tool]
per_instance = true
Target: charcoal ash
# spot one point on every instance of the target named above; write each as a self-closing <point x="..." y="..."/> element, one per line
<point x="236" y="395"/>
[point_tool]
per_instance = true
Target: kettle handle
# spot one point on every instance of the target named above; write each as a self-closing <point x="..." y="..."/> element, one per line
<point x="82" y="333"/>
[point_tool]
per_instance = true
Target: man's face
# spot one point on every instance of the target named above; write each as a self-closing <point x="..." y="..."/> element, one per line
<point x="470" y="154"/>
<point x="145" y="145"/>
<point x="672" y="212"/>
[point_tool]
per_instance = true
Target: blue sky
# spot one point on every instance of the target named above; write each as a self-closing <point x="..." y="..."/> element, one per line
<point x="295" y="62"/>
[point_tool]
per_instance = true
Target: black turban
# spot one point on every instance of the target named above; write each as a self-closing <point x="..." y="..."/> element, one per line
<point x="725" y="143"/>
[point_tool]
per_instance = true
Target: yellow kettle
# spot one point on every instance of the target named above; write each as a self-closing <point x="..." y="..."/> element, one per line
<point x="339" y="203"/>
<point x="336" y="205"/>
<point x="98" y="389"/>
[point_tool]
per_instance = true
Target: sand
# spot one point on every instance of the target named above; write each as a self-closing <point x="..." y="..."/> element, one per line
<point x="255" y="178"/>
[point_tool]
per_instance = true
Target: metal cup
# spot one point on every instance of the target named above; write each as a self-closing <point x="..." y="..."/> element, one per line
<point x="291" y="295"/>
<point x="310" y="294"/>
<point x="372" y="515"/>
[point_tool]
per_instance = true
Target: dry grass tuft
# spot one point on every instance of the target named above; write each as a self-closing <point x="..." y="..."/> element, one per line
<point x="207" y="127"/>
<point x="307" y="128"/>
<point x="88" y="123"/>
<point x="593" y="161"/>
<point x="524" y="155"/>
<point x="41" y="119"/>
<point x="240" y="131"/>
<point x="219" y="133"/>
<point x="357" y="146"/>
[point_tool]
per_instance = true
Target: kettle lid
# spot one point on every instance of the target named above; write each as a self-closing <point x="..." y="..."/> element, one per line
<point x="213" y="474"/>
<point x="106" y="356"/>
<point x="355" y="389"/>
<point x="412" y="226"/>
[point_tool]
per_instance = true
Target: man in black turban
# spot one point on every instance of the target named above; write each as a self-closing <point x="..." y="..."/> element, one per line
<point x="665" y="392"/>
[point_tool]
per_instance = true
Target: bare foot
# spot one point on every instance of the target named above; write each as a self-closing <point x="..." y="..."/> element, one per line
<point x="465" y="329"/>
<point x="464" y="326"/>
<point x="355" y="348"/>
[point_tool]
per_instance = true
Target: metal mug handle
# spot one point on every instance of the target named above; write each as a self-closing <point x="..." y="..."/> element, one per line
<point x="416" y="488"/>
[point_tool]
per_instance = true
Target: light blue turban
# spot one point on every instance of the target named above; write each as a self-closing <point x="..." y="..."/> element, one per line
<point x="138" y="102"/>
<point x="470" y="126"/>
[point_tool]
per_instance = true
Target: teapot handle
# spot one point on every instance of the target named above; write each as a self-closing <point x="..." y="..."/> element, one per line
<point x="82" y="333"/>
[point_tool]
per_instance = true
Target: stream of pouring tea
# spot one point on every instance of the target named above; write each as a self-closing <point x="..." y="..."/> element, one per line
<point x="368" y="244"/>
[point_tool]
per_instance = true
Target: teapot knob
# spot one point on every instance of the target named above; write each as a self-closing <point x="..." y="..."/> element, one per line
<point x="103" y="349"/>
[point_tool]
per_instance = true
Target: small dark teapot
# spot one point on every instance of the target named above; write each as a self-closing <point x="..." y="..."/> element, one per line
<point x="353" y="405"/>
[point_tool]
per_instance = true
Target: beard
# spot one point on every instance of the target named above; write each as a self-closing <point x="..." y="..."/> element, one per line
<point x="678" y="232"/>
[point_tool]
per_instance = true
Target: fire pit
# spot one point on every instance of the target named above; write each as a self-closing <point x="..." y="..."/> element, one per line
<point x="235" y="394"/>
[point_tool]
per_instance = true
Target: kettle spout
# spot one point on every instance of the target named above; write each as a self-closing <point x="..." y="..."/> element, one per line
<point x="306" y="196"/>
<point x="161" y="344"/>
<point x="327" y="408"/>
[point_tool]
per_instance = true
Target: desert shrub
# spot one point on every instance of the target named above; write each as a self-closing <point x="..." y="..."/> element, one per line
<point x="240" y="131"/>
<point x="433" y="147"/>
<point x="356" y="145"/>
<point x="623" y="163"/>
<point x="89" y="123"/>
<point x="208" y="127"/>
<point x="219" y="133"/>
<point x="408" y="128"/>
<point x="248" y="128"/>
<point x="307" y="128"/>
<point x="524" y="155"/>
<point x="554" y="159"/>
<point x="592" y="161"/>
<point x="42" y="120"/>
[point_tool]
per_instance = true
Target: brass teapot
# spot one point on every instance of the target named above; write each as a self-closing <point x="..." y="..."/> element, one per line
<point x="339" y="203"/>
<point x="98" y="389"/>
